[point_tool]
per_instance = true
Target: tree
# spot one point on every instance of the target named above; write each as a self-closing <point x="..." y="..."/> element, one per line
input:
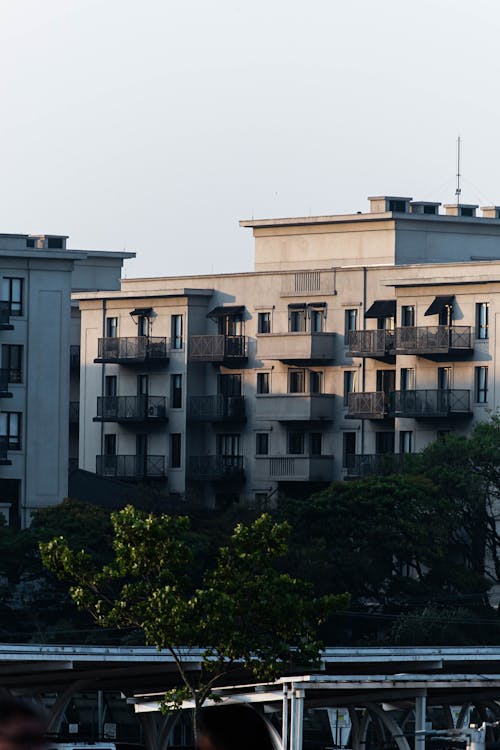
<point x="246" y="612"/>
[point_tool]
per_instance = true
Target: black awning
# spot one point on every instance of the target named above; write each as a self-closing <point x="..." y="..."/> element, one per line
<point x="382" y="308"/>
<point x="144" y="312"/>
<point x="439" y="304"/>
<point x="221" y="312"/>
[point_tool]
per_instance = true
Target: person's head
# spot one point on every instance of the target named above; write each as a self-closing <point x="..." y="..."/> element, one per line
<point x="232" y="727"/>
<point x="21" y="726"/>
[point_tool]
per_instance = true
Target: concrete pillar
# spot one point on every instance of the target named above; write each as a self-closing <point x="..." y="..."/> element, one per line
<point x="420" y="714"/>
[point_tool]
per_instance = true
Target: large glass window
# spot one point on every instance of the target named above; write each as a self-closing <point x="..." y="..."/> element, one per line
<point x="229" y="384"/>
<point x="176" y="332"/>
<point x="143" y="325"/>
<point x="482" y="320"/>
<point x="228" y="445"/>
<point x="384" y="442"/>
<point x="10" y="428"/>
<point x="481" y="385"/>
<point x="12" y="292"/>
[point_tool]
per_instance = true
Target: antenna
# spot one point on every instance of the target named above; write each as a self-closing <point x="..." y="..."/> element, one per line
<point x="459" y="189"/>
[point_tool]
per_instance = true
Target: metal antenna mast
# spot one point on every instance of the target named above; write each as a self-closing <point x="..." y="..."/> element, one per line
<point x="459" y="189"/>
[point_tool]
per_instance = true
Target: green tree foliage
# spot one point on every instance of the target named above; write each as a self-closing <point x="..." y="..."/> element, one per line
<point x="246" y="612"/>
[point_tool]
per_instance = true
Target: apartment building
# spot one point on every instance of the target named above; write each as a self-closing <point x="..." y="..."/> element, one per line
<point x="40" y="338"/>
<point x="356" y="336"/>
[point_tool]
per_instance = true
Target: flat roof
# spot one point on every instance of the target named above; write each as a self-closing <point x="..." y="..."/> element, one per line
<point x="186" y="292"/>
<point x="368" y="217"/>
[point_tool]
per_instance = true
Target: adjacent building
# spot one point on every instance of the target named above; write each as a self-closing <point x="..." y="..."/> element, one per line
<point x="40" y="342"/>
<point x="355" y="336"/>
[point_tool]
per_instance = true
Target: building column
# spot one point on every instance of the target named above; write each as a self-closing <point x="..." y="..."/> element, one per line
<point x="420" y="715"/>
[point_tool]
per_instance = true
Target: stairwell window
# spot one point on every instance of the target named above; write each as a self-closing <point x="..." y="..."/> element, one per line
<point x="481" y="385"/>
<point x="482" y="320"/>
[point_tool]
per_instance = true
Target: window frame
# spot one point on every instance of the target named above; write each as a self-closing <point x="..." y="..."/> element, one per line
<point x="8" y="295"/>
<point x="176" y="391"/>
<point x="176" y="450"/>
<point x="262" y="443"/>
<point x="482" y="321"/>
<point x="177" y="331"/>
<point x="14" y="438"/>
<point x="264" y="322"/>
<point x="481" y="388"/>
<point x="263" y="377"/>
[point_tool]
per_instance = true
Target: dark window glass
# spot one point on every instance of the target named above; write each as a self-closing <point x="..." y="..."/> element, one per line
<point x="395" y="205"/>
<point x="315" y="443"/>
<point x="315" y="382"/>
<point x="228" y="445"/>
<point x="110" y="445"/>
<point x="30" y="243"/>
<point x="110" y="385"/>
<point x="55" y="243"/>
<point x="407" y="315"/>
<point x="112" y="327"/>
<point x="350" y="322"/>
<point x="348" y="448"/>
<point x="482" y="320"/>
<point x="176" y="391"/>
<point x="142" y="325"/>
<point x="297" y="320"/>
<point x="407" y="378"/>
<point x="10" y="427"/>
<point x="262" y="382"/>
<point x="229" y="384"/>
<point x="142" y="385"/>
<point x="317" y="320"/>
<point x="175" y="450"/>
<point x="177" y="325"/>
<point x="12" y="292"/>
<point x="384" y="442"/>
<point x="349" y="384"/>
<point x="296" y="442"/>
<point x="406" y="442"/>
<point x="296" y="381"/>
<point x="444" y="378"/>
<point x="12" y="360"/>
<point x="262" y="443"/>
<point x="264" y="322"/>
<point x="481" y="384"/>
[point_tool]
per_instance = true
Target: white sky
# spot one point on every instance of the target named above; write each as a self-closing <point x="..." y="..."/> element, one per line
<point x="154" y="125"/>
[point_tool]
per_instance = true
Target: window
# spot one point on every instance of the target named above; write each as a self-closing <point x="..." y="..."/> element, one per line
<point x="110" y="445"/>
<point x="10" y="427"/>
<point x="111" y="327"/>
<point x="350" y="322"/>
<point x="384" y="442"/>
<point x="295" y="443"/>
<point x="315" y="382"/>
<point x="348" y="449"/>
<point x="230" y="325"/>
<point x="110" y="385"/>
<point x="55" y="243"/>
<point x="12" y="361"/>
<point x="396" y="205"/>
<point x="317" y="319"/>
<point x="407" y="378"/>
<point x="264" y="322"/>
<point x="482" y="320"/>
<point x="481" y="385"/>
<point x="229" y="384"/>
<point x="349" y="384"/>
<point x="466" y="211"/>
<point x="297" y="319"/>
<point x="228" y="445"/>
<point x="262" y="382"/>
<point x="406" y="442"/>
<point x="142" y="325"/>
<point x="142" y="385"/>
<point x="385" y="324"/>
<point x="175" y="450"/>
<point x="261" y="443"/>
<point x="176" y="391"/>
<point x="386" y="381"/>
<point x="315" y="443"/>
<point x="296" y="381"/>
<point x="407" y="315"/>
<point x="444" y="378"/>
<point x="12" y="292"/>
<point x="177" y="331"/>
<point x="30" y="242"/>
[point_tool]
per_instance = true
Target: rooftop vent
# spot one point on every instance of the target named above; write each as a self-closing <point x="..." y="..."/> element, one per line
<point x="382" y="203"/>
<point x="491" y="212"/>
<point x="424" y="207"/>
<point x="460" y="209"/>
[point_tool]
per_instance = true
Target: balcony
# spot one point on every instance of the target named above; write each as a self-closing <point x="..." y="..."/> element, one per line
<point x="74" y="412"/>
<point x="375" y="343"/>
<point x="74" y="357"/>
<point x="430" y="340"/>
<point x="227" y="350"/>
<point x="295" y="468"/>
<point x="433" y="404"/>
<point x="216" y="468"/>
<point x="217" y="408"/>
<point x="5" y="378"/>
<point x="294" y="407"/>
<point x="5" y="324"/>
<point x="368" y="405"/>
<point x="4" y="447"/>
<point x="131" y="409"/>
<point x="379" y="464"/>
<point x="296" y="347"/>
<point x="132" y="350"/>
<point x="134" y="468"/>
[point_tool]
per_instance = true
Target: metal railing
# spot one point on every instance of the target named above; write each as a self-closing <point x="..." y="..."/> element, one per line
<point x="366" y="343"/>
<point x="74" y="356"/>
<point x="131" y="467"/>
<point x="215" y="467"/>
<point x="429" y="339"/>
<point x="217" y="348"/>
<point x="74" y="412"/>
<point x="215" y="408"/>
<point x="430" y="403"/>
<point x="370" y="405"/>
<point x="132" y="349"/>
<point x="140" y="408"/>
<point x="381" y="464"/>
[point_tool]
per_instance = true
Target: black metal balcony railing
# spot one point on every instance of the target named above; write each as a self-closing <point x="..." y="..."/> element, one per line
<point x="5" y="324"/>
<point x="216" y="408"/>
<point x="372" y="343"/>
<point x="381" y="464"/>
<point x="74" y="412"/>
<point x="74" y="356"/>
<point x="368" y="405"/>
<point x="430" y="403"/>
<point x="216" y="468"/>
<point x="4" y="447"/>
<point x="131" y="467"/>
<point x="140" y="408"/>
<point x="218" y="348"/>
<point x="432" y="339"/>
<point x="132" y="349"/>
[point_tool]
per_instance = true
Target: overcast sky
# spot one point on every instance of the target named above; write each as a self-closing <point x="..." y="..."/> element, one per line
<point x="154" y="125"/>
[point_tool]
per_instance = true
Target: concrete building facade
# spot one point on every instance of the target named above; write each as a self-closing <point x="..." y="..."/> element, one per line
<point x="354" y="337"/>
<point x="39" y="328"/>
